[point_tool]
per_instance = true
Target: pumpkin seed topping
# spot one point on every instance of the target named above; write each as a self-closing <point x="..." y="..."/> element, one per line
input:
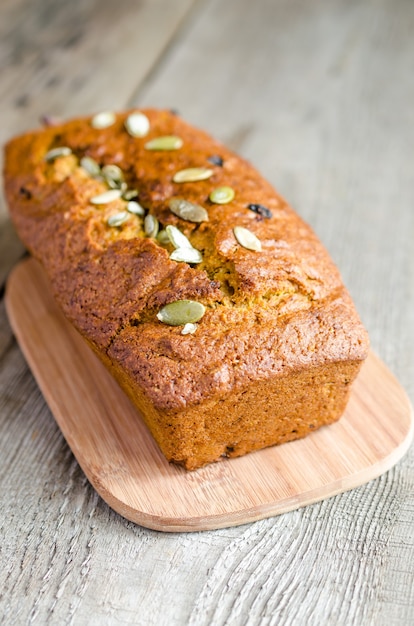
<point x="181" y="312"/>
<point x="137" y="124"/>
<point x="118" y="218"/>
<point x="192" y="174"/>
<point x="103" y="120"/>
<point x="189" y="329"/>
<point x="247" y="239"/>
<point x="135" y="208"/>
<point x="90" y="166"/>
<point x="116" y="184"/>
<point x="222" y="195"/>
<point x="163" y="237"/>
<point x="106" y="197"/>
<point x="168" y="142"/>
<point x="188" y="210"/>
<point x="112" y="172"/>
<point x="260" y="210"/>
<point x="151" y="226"/>
<point x="176" y="237"/>
<point x="186" y="255"/>
<point x="129" y="194"/>
<point x="55" y="153"/>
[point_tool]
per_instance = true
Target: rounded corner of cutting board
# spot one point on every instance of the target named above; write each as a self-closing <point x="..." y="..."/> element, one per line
<point x="122" y="462"/>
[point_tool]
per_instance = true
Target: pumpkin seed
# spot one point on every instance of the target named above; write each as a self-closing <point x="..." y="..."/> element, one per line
<point x="129" y="194"/>
<point x="192" y="174"/>
<point x="168" y="142"/>
<point x="181" y="312"/>
<point x="137" y="124"/>
<point x="112" y="172"/>
<point x="247" y="239"/>
<point x="116" y="184"/>
<point x="135" y="208"/>
<point x="189" y="329"/>
<point x="55" y="153"/>
<point x="222" y="195"/>
<point x="151" y="226"/>
<point x="106" y="197"/>
<point x="186" y="255"/>
<point x="177" y="238"/>
<point x="103" y="120"/>
<point x="111" y="183"/>
<point x="188" y="210"/>
<point x="118" y="218"/>
<point x="90" y="166"/>
<point x="163" y="237"/>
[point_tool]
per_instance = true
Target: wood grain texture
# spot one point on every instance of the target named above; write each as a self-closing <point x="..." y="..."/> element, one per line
<point x="123" y="463"/>
<point x="62" y="59"/>
<point x="319" y="96"/>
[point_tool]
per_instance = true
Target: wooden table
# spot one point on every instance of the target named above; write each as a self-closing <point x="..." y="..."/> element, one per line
<point x="319" y="95"/>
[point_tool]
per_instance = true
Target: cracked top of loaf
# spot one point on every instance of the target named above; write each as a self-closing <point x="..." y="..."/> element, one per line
<point x="267" y="311"/>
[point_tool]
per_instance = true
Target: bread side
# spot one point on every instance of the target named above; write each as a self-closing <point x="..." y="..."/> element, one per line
<point x="280" y="342"/>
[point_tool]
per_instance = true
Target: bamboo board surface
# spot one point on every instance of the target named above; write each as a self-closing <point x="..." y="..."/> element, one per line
<point x="123" y="463"/>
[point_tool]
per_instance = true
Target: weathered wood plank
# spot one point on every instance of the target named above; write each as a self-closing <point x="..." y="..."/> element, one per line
<point x="313" y="567"/>
<point x="70" y="58"/>
<point x="318" y="95"/>
<point x="66" y="59"/>
<point x="66" y="557"/>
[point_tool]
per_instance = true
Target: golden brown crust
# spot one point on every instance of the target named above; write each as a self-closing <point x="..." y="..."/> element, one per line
<point x="270" y="314"/>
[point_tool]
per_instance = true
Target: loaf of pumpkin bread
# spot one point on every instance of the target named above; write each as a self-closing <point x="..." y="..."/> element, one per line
<point x="212" y="303"/>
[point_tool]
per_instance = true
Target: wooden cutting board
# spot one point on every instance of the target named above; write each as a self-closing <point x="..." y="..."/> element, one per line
<point x="121" y="460"/>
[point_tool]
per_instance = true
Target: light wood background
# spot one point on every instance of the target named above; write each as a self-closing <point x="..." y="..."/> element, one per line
<point x="319" y="95"/>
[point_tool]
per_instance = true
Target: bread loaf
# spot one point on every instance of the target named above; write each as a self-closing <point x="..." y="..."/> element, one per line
<point x="212" y="303"/>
